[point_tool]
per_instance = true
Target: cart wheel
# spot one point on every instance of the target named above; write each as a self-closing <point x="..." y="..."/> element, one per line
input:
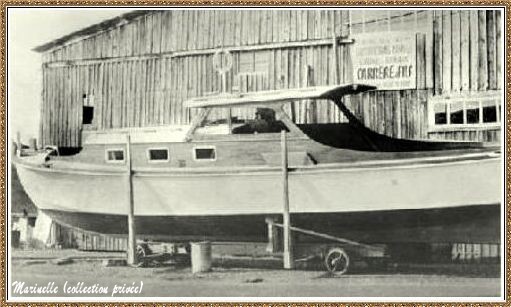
<point x="337" y="261"/>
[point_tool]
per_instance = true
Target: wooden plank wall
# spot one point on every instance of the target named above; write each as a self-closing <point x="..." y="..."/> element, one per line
<point x="150" y="92"/>
<point x="462" y="54"/>
<point x="139" y="90"/>
<point x="100" y="242"/>
<point x="184" y="30"/>
<point x="68" y="237"/>
<point x="140" y="73"/>
<point x="397" y="113"/>
<point x="489" y="135"/>
<point x="469" y="59"/>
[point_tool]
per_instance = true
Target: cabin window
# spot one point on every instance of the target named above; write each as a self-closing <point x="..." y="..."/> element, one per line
<point x="204" y="153"/>
<point x="115" y="155"/>
<point x="246" y="120"/>
<point x="158" y="155"/>
<point x="466" y="111"/>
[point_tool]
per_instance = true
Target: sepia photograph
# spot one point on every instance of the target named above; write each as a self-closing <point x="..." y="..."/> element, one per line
<point x="256" y="154"/>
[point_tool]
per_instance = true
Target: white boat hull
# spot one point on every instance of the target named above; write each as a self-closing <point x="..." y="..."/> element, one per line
<point x="334" y="189"/>
<point x="420" y="199"/>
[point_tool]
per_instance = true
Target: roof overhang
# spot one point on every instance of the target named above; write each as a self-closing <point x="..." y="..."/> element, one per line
<point x="91" y="30"/>
<point x="277" y="96"/>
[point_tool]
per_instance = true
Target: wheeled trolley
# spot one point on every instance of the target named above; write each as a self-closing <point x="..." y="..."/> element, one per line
<point x="337" y="255"/>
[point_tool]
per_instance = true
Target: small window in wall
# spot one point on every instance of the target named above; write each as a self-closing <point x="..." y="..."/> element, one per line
<point x="88" y="115"/>
<point x="115" y="155"/>
<point x="472" y="108"/>
<point x="476" y="110"/>
<point x="440" y="110"/>
<point x="204" y="153"/>
<point x="158" y="155"/>
<point x="489" y="111"/>
<point x="88" y="109"/>
<point x="456" y="112"/>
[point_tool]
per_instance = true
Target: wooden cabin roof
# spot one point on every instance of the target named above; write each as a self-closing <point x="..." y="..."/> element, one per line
<point x="93" y="29"/>
<point x="265" y="97"/>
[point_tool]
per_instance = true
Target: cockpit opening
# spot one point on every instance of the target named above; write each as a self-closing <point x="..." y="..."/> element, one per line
<point x="241" y="121"/>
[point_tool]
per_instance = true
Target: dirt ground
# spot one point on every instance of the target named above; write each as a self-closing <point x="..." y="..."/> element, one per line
<point x="86" y="273"/>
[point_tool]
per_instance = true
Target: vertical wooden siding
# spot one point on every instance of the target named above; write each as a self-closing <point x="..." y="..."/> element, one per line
<point x="179" y="30"/>
<point x="468" y="59"/>
<point x="149" y="91"/>
<point x="145" y="85"/>
<point x="397" y="113"/>
<point x="68" y="237"/>
<point x="471" y="58"/>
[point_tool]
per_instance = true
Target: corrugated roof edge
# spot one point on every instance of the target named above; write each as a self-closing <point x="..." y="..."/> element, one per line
<point x="102" y="26"/>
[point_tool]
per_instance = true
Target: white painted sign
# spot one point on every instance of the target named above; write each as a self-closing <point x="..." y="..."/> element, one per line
<point x="386" y="60"/>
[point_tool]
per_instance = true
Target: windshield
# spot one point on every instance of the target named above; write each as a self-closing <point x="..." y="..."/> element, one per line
<point x="247" y="120"/>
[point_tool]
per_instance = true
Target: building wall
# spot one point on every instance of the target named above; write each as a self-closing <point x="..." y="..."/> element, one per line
<point x="468" y="61"/>
<point x="139" y="72"/>
<point x="24" y="225"/>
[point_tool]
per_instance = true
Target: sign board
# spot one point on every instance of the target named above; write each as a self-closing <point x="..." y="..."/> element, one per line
<point x="386" y="60"/>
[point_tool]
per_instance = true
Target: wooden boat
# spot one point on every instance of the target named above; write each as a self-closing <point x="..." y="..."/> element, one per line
<point x="220" y="178"/>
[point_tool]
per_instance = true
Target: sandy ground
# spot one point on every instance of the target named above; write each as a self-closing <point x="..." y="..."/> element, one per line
<point x="86" y="273"/>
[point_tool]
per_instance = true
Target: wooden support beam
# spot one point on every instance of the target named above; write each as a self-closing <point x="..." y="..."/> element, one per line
<point x="327" y="236"/>
<point x="210" y="51"/>
<point x="132" y="241"/>
<point x="273" y="237"/>
<point x="288" y="245"/>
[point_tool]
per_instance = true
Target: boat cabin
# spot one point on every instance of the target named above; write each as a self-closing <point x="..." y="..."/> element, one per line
<point x="245" y="130"/>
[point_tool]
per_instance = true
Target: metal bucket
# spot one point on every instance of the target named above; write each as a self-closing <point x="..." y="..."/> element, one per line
<point x="201" y="256"/>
